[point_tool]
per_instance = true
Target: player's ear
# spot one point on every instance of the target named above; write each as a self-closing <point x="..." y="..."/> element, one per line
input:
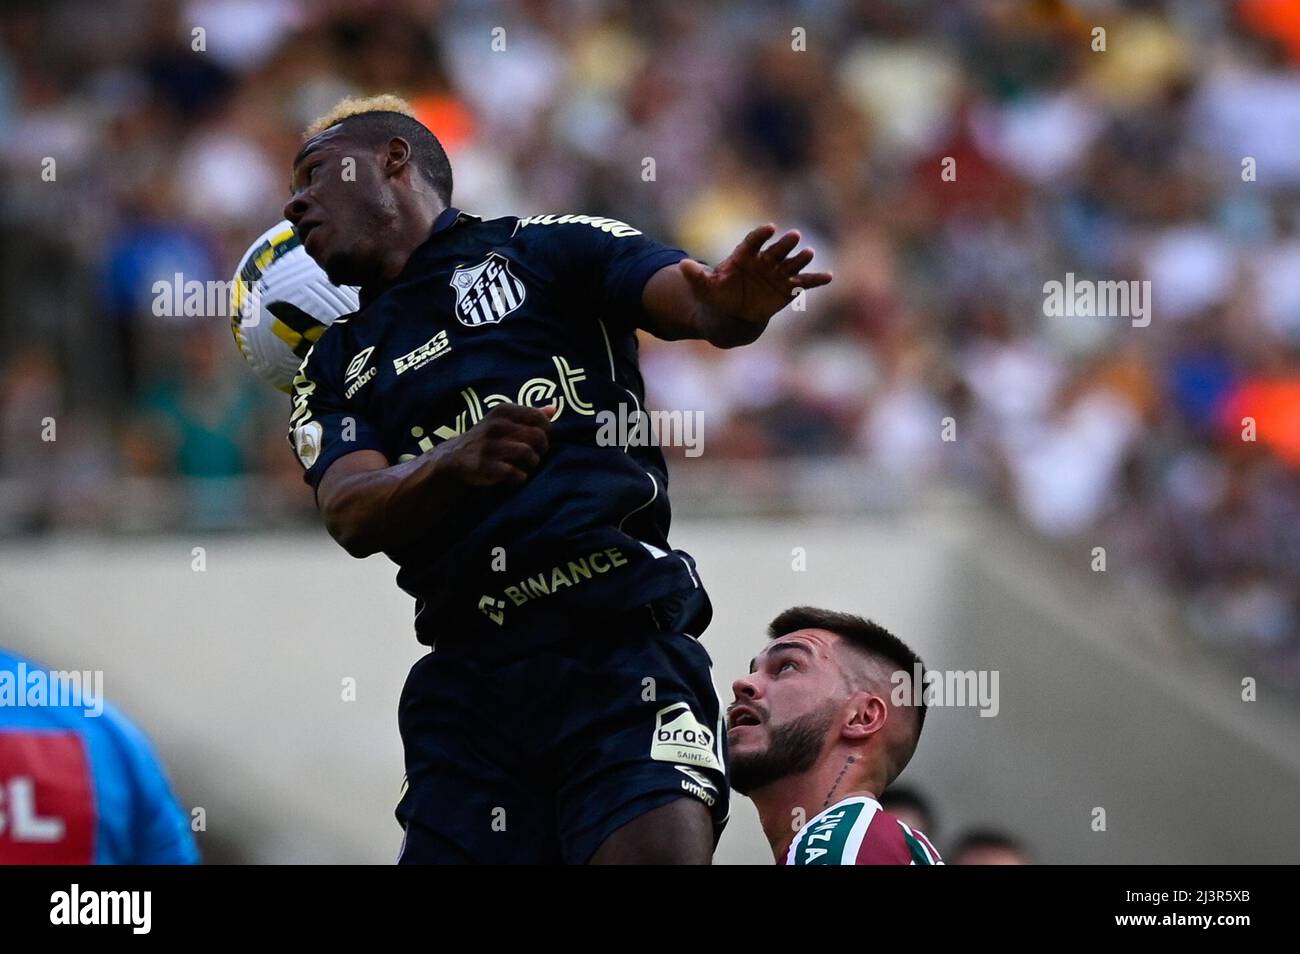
<point x="867" y="715"/>
<point x="396" y="156"/>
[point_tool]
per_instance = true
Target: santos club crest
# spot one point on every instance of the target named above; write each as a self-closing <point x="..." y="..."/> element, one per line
<point x="486" y="292"/>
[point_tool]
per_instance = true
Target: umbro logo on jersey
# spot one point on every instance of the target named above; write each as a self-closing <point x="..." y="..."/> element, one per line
<point x="353" y="377"/>
<point x="486" y="292"/>
<point x="357" y="363"/>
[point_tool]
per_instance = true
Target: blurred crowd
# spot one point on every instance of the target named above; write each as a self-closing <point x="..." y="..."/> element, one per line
<point x="974" y="846"/>
<point x="945" y="158"/>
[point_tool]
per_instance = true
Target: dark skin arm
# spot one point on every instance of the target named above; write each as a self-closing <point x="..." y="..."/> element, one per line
<point x="731" y="304"/>
<point x="369" y="506"/>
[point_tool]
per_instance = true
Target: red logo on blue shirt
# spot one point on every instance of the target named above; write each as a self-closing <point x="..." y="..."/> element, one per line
<point x="47" y="801"/>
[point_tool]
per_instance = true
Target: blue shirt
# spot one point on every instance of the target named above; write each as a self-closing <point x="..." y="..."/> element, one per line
<point x="532" y="311"/>
<point x="77" y="788"/>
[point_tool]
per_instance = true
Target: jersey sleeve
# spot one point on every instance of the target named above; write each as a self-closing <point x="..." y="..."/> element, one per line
<point x="607" y="261"/>
<point x="322" y="428"/>
<point x="919" y="846"/>
<point x="159" y="828"/>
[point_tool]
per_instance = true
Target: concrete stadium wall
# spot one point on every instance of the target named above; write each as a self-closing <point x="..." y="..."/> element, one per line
<point x="237" y="672"/>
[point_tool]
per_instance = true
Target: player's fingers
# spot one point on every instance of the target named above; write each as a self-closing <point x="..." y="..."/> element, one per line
<point x="752" y="243"/>
<point x="811" y="280"/>
<point x="782" y="247"/>
<point x="534" y="437"/>
<point x="520" y="454"/>
<point x="520" y="414"/>
<point x="504" y="472"/>
<point x="797" y="262"/>
<point x="694" y="272"/>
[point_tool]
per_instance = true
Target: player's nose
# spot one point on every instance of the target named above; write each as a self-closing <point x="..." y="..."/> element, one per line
<point x="744" y="688"/>
<point x="295" y="209"/>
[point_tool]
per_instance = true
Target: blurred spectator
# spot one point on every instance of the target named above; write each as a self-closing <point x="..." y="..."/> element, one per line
<point x="986" y="846"/>
<point x="911" y="808"/>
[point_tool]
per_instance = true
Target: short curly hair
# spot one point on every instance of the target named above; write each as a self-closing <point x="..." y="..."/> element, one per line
<point x="376" y="118"/>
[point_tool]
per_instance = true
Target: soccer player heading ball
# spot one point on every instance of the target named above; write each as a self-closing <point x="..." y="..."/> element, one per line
<point x="815" y="736"/>
<point x="567" y="712"/>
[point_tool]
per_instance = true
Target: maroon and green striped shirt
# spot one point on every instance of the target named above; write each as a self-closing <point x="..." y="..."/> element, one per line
<point x="857" y="831"/>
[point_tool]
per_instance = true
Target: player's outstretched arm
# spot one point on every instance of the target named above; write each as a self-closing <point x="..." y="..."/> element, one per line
<point x="730" y="304"/>
<point x="370" y="507"/>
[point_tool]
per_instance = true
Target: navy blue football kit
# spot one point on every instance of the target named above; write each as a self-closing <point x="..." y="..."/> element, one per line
<point x="566" y="692"/>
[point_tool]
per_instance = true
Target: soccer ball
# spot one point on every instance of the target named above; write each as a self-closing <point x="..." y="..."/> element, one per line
<point x="281" y="303"/>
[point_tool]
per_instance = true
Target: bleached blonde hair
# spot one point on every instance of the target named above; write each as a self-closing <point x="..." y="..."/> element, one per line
<point x="356" y="105"/>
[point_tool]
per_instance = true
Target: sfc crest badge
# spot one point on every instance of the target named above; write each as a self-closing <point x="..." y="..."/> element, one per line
<point x="486" y="292"/>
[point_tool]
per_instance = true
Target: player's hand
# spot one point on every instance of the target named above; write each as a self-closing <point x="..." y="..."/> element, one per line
<point x="503" y="448"/>
<point x="753" y="283"/>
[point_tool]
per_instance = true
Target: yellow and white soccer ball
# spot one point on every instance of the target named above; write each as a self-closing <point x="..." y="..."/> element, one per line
<point x="280" y="303"/>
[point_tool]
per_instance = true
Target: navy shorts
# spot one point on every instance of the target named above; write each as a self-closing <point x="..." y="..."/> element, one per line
<point x="539" y="758"/>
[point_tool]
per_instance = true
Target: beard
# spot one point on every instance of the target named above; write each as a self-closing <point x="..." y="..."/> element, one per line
<point x="793" y="748"/>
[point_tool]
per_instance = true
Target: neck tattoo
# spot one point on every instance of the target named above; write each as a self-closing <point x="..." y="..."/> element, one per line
<point x="839" y="778"/>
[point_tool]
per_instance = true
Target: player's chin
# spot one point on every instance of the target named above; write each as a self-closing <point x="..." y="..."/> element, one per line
<point x="339" y="267"/>
<point x="746" y="738"/>
<point x="748" y="769"/>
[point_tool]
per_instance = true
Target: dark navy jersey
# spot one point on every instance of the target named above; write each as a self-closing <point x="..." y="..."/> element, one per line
<point x="535" y="311"/>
